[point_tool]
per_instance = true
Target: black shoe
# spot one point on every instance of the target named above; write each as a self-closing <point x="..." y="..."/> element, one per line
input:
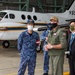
<point x="45" y="74"/>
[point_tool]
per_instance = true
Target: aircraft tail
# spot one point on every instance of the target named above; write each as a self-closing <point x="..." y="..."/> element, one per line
<point x="72" y="7"/>
<point x="70" y="14"/>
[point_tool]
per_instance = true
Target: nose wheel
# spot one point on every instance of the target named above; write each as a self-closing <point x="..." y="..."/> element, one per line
<point x="5" y="44"/>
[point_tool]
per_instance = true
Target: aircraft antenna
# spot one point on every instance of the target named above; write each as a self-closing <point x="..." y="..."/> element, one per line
<point x="33" y="9"/>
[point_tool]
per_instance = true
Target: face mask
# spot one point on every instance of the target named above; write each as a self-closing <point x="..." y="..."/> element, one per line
<point x="52" y="25"/>
<point x="71" y="28"/>
<point x="30" y="27"/>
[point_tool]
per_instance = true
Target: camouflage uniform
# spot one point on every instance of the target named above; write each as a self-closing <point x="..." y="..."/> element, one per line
<point x="46" y="56"/>
<point x="57" y="55"/>
<point x="27" y="48"/>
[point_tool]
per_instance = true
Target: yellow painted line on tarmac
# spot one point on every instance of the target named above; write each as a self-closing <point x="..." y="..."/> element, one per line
<point x="11" y="74"/>
<point x="66" y="73"/>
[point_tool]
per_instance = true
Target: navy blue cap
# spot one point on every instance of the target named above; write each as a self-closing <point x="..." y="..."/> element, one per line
<point x="30" y="21"/>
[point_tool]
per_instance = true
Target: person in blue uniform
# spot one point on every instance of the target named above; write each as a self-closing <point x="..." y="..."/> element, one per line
<point x="27" y="44"/>
<point x="44" y="38"/>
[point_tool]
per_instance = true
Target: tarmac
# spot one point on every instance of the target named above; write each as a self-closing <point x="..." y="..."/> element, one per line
<point x="10" y="59"/>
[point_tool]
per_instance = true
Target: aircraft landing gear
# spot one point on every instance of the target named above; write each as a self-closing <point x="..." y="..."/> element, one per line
<point x="5" y="44"/>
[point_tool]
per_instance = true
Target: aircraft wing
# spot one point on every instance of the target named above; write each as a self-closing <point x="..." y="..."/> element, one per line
<point x="45" y="28"/>
<point x="69" y="20"/>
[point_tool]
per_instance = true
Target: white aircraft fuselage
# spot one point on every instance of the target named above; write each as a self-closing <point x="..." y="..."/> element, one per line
<point x="14" y="22"/>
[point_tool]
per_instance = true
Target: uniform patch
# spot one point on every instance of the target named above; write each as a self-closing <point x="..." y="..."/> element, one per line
<point x="54" y="34"/>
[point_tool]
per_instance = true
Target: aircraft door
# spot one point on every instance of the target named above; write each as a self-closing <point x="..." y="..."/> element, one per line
<point x="1" y="34"/>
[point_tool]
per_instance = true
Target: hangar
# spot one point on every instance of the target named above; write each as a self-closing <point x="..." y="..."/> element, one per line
<point x="40" y="5"/>
<point x="10" y="57"/>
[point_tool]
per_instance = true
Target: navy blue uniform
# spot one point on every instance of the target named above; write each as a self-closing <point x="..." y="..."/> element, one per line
<point x="46" y="56"/>
<point x="27" y="48"/>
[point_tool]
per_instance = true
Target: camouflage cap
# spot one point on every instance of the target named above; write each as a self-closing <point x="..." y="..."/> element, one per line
<point x="54" y="18"/>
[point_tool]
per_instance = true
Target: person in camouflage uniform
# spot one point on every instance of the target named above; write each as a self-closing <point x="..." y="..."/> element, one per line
<point x="27" y="43"/>
<point x="44" y="37"/>
<point x="56" y="45"/>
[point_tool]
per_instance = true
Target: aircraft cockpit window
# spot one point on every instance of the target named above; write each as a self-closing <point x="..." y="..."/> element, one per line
<point x="6" y="16"/>
<point x="23" y="17"/>
<point x="29" y="17"/>
<point x="34" y="17"/>
<point x="12" y="16"/>
<point x="2" y="14"/>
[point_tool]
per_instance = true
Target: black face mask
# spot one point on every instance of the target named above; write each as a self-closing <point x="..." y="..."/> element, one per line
<point x="50" y="26"/>
<point x="53" y="25"/>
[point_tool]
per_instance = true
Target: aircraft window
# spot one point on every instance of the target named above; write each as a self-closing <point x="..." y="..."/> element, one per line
<point x="12" y="16"/>
<point x="34" y="17"/>
<point x="6" y="16"/>
<point x="2" y="14"/>
<point x="29" y="17"/>
<point x="23" y="17"/>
